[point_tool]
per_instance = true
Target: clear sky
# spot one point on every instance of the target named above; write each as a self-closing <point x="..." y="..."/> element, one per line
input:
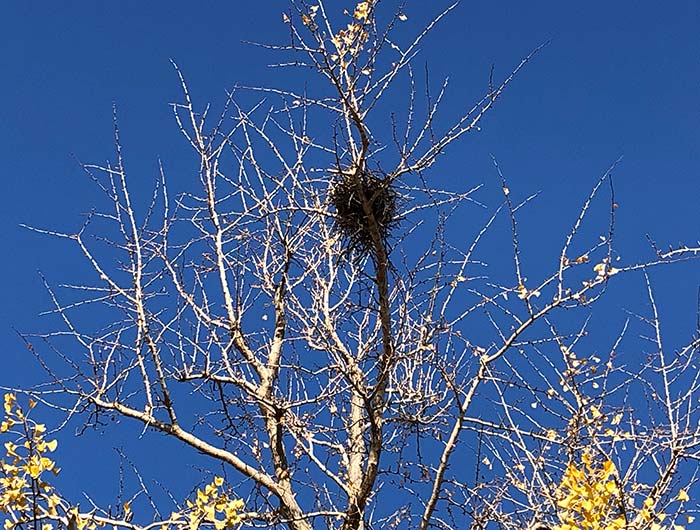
<point x="618" y="79"/>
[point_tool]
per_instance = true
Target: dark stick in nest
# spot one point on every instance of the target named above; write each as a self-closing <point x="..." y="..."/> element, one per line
<point x="348" y="195"/>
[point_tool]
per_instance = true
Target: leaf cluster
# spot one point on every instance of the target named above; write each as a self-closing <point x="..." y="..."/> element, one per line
<point x="29" y="500"/>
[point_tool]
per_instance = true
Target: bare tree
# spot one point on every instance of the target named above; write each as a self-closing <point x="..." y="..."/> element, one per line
<point x="306" y="316"/>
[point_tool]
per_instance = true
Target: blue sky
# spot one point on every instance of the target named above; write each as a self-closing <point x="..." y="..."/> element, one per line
<point x="617" y="79"/>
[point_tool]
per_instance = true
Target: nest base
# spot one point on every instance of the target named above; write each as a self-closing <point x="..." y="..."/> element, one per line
<point x="362" y="200"/>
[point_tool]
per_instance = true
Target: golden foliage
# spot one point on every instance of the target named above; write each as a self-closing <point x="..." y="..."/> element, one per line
<point x="589" y="498"/>
<point x="348" y="42"/>
<point x="213" y="506"/>
<point x="27" y="498"/>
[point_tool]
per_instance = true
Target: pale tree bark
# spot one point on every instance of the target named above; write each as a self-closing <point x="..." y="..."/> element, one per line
<point x="362" y="388"/>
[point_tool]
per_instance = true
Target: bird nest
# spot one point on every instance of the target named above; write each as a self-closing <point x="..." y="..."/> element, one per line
<point x="363" y="200"/>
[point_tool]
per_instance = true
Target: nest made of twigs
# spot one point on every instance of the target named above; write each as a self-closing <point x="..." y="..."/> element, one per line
<point x="359" y="198"/>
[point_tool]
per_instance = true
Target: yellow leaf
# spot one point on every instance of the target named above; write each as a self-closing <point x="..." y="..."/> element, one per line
<point x="218" y="481"/>
<point x="9" y="402"/>
<point x="682" y="496"/>
<point x="34" y="470"/>
<point x="522" y="291"/>
<point x="51" y="446"/>
<point x="10" y="448"/>
<point x="609" y="467"/>
<point x="361" y="11"/>
<point x="611" y="488"/>
<point x="618" y="523"/>
<point x="402" y="17"/>
<point x="54" y="500"/>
